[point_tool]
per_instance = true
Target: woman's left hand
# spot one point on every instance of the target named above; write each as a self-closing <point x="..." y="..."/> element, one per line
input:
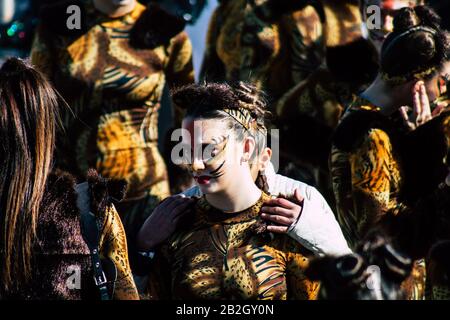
<point x="422" y="110"/>
<point x="282" y="212"/>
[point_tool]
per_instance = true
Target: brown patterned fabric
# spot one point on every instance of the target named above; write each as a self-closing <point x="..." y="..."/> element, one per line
<point x="366" y="176"/>
<point x="60" y="248"/>
<point x="438" y="267"/>
<point x="380" y="179"/>
<point x="112" y="74"/>
<point x="220" y="256"/>
<point x="272" y="54"/>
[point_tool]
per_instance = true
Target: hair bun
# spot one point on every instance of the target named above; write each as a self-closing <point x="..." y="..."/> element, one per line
<point x="183" y="96"/>
<point x="408" y="18"/>
<point x="417" y="33"/>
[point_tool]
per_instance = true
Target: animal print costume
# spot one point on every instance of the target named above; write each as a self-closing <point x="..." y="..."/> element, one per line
<point x="112" y="73"/>
<point x="373" y="173"/>
<point x="313" y="107"/>
<point x="366" y="179"/>
<point x="60" y="248"/>
<point x="273" y="51"/>
<point x="222" y="256"/>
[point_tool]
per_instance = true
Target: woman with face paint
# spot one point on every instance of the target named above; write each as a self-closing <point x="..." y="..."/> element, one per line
<point x="372" y="159"/>
<point x="322" y="236"/>
<point x="224" y="250"/>
<point x="307" y="217"/>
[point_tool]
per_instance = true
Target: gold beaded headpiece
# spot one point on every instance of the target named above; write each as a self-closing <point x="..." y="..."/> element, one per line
<point x="244" y="117"/>
<point x="414" y="75"/>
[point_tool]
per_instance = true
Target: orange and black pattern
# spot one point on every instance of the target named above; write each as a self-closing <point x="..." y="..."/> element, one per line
<point x="367" y="182"/>
<point x="320" y="97"/>
<point x="113" y="245"/>
<point x="222" y="257"/>
<point x="273" y="55"/>
<point x="114" y="87"/>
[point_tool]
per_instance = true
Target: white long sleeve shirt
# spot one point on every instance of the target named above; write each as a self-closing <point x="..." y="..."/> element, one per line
<point x="317" y="228"/>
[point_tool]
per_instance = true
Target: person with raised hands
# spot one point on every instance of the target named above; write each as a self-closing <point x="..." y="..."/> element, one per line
<point x="372" y="155"/>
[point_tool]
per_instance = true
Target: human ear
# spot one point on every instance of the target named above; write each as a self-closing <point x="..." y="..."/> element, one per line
<point x="264" y="158"/>
<point x="249" y="148"/>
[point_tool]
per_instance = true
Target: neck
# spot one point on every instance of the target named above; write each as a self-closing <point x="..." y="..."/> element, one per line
<point x="234" y="200"/>
<point x="114" y="11"/>
<point x="378" y="94"/>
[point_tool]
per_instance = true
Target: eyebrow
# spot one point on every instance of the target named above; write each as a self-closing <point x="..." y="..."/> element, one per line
<point x="219" y="139"/>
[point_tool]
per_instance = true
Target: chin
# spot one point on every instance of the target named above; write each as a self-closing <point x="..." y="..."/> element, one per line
<point x="209" y="188"/>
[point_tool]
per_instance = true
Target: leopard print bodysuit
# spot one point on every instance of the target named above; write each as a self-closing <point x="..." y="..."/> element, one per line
<point x="222" y="257"/>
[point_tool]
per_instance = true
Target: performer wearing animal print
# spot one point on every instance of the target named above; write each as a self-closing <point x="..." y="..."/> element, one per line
<point x="261" y="43"/>
<point x="367" y="166"/>
<point x="224" y="250"/>
<point x="112" y="73"/>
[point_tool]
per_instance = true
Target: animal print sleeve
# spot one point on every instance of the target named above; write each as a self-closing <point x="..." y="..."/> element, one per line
<point x="374" y="175"/>
<point x="304" y="33"/>
<point x="299" y="286"/>
<point x="113" y="245"/>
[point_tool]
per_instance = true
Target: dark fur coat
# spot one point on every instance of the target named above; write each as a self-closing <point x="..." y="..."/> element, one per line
<point x="61" y="265"/>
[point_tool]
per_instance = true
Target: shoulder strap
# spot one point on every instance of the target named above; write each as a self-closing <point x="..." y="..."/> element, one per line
<point x="91" y="235"/>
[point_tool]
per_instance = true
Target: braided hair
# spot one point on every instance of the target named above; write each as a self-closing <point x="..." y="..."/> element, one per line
<point x="241" y="105"/>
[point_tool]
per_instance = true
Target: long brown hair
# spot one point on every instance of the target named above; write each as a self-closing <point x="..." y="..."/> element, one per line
<point x="28" y="121"/>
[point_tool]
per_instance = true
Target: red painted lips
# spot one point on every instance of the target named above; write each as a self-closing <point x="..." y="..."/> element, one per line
<point x="202" y="179"/>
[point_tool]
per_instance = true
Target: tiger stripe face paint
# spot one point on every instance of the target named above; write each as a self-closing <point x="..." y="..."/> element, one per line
<point x="216" y="154"/>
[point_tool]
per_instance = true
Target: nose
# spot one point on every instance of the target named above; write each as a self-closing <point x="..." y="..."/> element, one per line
<point x="197" y="164"/>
